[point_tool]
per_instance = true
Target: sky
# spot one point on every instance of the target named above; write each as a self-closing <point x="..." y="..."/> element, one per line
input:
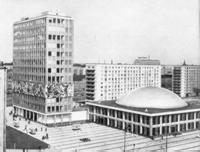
<point x="118" y="30"/>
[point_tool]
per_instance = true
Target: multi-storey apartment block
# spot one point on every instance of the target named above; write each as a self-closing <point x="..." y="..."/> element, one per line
<point x="43" y="67"/>
<point x="111" y="81"/>
<point x="186" y="80"/>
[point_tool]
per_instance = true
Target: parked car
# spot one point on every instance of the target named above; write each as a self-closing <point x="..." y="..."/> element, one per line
<point x="16" y="125"/>
<point x="32" y="131"/>
<point x="85" y="139"/>
<point x="198" y="136"/>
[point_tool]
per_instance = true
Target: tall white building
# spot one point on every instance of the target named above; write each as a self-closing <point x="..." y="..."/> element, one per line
<point x="43" y="67"/>
<point x="111" y="81"/>
<point x="186" y="80"/>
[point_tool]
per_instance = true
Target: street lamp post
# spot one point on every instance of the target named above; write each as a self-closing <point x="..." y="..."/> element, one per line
<point x="126" y="128"/>
<point x="166" y="141"/>
<point x="125" y="139"/>
<point x="133" y="147"/>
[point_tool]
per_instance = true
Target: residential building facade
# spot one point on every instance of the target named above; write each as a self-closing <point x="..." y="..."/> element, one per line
<point x="43" y="67"/>
<point x="111" y="81"/>
<point x="186" y="80"/>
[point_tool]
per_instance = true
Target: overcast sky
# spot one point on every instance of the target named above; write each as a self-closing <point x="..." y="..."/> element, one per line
<point x="120" y="30"/>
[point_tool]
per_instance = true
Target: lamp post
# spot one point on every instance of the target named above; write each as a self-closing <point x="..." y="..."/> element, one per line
<point x="125" y="139"/>
<point x="166" y="141"/>
<point x="126" y="128"/>
<point x="133" y="147"/>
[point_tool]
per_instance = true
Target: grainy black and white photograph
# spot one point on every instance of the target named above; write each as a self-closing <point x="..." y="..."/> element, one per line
<point x="99" y="75"/>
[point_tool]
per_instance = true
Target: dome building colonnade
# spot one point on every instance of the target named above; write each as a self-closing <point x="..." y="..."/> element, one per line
<point x="148" y="111"/>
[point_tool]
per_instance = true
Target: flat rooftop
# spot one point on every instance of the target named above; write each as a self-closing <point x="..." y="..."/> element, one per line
<point x="195" y="104"/>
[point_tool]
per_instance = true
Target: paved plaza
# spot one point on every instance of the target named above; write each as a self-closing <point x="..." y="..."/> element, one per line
<point x="95" y="137"/>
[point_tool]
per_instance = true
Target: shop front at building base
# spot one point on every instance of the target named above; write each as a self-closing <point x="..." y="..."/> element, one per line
<point x="50" y="119"/>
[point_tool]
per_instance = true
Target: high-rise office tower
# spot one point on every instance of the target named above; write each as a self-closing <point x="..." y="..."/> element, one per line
<point x="42" y="67"/>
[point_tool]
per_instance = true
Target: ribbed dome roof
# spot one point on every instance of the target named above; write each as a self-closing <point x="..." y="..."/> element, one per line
<point x="152" y="97"/>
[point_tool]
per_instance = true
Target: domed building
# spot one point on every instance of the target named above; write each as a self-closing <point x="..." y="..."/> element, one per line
<point x="152" y="97"/>
<point x="149" y="111"/>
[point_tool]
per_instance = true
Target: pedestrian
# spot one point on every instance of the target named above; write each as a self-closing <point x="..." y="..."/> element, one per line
<point x="41" y="129"/>
<point x="46" y="129"/>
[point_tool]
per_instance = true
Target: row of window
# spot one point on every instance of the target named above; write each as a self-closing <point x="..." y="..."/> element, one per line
<point x="60" y="21"/>
<point x="25" y="46"/>
<point x="29" y="77"/>
<point x="60" y="79"/>
<point x="55" y="37"/>
<point x="30" y="32"/>
<point x="129" y="78"/>
<point x="32" y="62"/>
<point x="30" y="23"/>
<point x="29" y="70"/>
<point x="31" y="102"/>
<point x="56" y="20"/>
<point x="59" y="70"/>
<point x="59" y="54"/>
<point x="54" y="108"/>
<point x="60" y="37"/>
<point x="124" y="67"/>
<point x="145" y="119"/>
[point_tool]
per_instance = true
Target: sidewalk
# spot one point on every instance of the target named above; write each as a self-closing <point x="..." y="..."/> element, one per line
<point x="26" y="126"/>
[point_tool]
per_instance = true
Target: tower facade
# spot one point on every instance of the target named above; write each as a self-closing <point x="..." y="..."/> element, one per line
<point x="186" y="80"/>
<point x="42" y="67"/>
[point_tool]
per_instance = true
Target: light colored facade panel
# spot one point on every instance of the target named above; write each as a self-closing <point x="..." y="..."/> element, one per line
<point x="113" y="81"/>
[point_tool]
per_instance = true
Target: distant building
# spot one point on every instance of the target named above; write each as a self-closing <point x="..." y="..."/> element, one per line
<point x="79" y="69"/>
<point x="111" y="81"/>
<point x="186" y="80"/>
<point x="146" y="61"/>
<point x="148" y="111"/>
<point x="167" y="69"/>
<point x="9" y="67"/>
<point x="79" y="82"/>
<point x="166" y="76"/>
<point x="43" y="68"/>
<point x="3" y="95"/>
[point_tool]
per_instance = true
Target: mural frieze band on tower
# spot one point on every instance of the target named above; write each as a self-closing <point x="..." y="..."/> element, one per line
<point x="51" y="90"/>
